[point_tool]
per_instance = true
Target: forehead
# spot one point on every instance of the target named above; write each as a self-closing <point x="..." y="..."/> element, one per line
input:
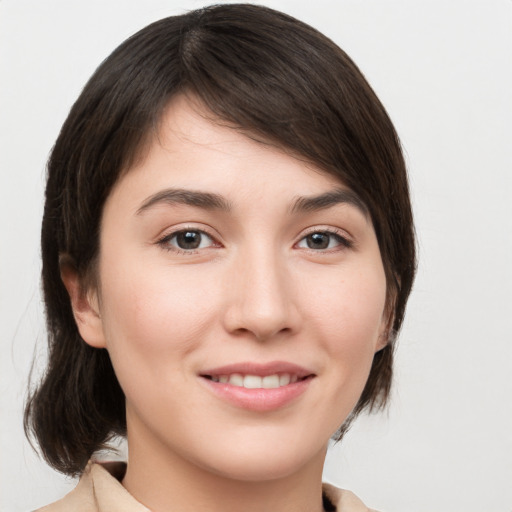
<point x="191" y="143"/>
<point x="195" y="159"/>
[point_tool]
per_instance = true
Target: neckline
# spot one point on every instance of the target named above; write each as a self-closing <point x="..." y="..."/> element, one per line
<point x="117" y="470"/>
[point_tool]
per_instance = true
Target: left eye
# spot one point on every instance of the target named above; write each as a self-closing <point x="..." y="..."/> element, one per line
<point x="188" y="240"/>
<point x="321" y="240"/>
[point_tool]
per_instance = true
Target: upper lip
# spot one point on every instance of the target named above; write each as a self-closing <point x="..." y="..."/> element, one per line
<point x="252" y="368"/>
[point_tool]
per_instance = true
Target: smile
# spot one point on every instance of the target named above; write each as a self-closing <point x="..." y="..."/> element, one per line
<point x="256" y="381"/>
<point x="258" y="387"/>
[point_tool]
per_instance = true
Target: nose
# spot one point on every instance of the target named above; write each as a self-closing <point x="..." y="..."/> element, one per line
<point x="262" y="302"/>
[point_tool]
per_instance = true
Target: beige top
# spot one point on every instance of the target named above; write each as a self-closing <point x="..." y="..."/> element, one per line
<point x="100" y="490"/>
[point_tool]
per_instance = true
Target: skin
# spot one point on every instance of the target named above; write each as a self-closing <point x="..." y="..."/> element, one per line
<point x="252" y="291"/>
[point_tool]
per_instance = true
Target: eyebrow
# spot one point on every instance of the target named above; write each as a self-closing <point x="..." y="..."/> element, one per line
<point x="172" y="196"/>
<point x="211" y="201"/>
<point x="329" y="199"/>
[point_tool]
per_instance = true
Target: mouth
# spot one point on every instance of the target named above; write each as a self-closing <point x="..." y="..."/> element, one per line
<point x="249" y="381"/>
<point x="258" y="387"/>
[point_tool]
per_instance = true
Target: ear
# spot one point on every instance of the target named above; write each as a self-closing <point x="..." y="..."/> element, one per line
<point x="386" y="337"/>
<point x="387" y="334"/>
<point x="85" y="307"/>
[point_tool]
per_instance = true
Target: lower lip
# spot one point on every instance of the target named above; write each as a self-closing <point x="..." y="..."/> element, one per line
<point x="259" y="399"/>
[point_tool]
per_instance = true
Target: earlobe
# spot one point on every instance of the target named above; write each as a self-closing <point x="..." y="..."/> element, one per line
<point x="387" y="334"/>
<point x="386" y="337"/>
<point x="85" y="307"/>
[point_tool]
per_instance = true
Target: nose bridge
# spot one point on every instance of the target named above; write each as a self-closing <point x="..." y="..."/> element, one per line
<point x="261" y="299"/>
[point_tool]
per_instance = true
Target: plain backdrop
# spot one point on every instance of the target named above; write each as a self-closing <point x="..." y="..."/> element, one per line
<point x="443" y="71"/>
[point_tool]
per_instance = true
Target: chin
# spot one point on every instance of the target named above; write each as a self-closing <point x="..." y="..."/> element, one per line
<point x="257" y="471"/>
<point x="258" y="464"/>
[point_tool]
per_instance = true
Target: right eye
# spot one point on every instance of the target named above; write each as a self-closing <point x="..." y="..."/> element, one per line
<point x="187" y="240"/>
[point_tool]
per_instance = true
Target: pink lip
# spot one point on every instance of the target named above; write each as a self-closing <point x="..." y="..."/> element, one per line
<point x="260" y="399"/>
<point x="251" y="368"/>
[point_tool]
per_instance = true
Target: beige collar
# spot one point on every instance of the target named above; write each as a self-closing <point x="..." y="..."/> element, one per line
<point x="100" y="490"/>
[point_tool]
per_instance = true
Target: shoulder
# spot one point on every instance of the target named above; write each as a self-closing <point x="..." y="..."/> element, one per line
<point x="99" y="490"/>
<point x="343" y="500"/>
<point x="80" y="499"/>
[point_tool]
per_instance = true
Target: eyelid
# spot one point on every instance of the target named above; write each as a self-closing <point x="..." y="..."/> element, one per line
<point x="346" y="240"/>
<point x="163" y="239"/>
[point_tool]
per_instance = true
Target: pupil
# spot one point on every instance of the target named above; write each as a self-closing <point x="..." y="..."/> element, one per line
<point x="188" y="240"/>
<point x="318" y="241"/>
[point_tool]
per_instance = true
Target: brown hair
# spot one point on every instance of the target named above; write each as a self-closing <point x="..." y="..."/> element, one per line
<point x="258" y="70"/>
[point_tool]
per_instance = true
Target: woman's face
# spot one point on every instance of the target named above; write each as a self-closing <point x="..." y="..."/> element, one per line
<point x="241" y="300"/>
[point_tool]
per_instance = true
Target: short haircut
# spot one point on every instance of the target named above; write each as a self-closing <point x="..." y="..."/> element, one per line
<point x="259" y="71"/>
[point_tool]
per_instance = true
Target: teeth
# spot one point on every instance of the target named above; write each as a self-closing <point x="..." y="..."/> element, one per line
<point x="255" y="381"/>
<point x="270" y="382"/>
<point x="252" y="382"/>
<point x="236" y="380"/>
<point x="284" y="379"/>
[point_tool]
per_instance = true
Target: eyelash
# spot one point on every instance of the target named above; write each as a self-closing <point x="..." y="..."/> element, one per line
<point x="342" y="241"/>
<point x="340" y="236"/>
<point x="164" y="242"/>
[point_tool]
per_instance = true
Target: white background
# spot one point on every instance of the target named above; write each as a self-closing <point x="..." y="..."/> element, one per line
<point x="443" y="70"/>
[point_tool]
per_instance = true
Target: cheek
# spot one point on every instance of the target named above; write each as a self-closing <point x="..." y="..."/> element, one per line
<point x="349" y="314"/>
<point x="152" y="318"/>
<point x="351" y="306"/>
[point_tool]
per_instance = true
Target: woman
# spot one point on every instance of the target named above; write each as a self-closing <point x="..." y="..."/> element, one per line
<point x="228" y="250"/>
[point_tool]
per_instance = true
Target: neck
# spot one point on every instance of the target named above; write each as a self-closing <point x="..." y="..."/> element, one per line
<point x="163" y="480"/>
